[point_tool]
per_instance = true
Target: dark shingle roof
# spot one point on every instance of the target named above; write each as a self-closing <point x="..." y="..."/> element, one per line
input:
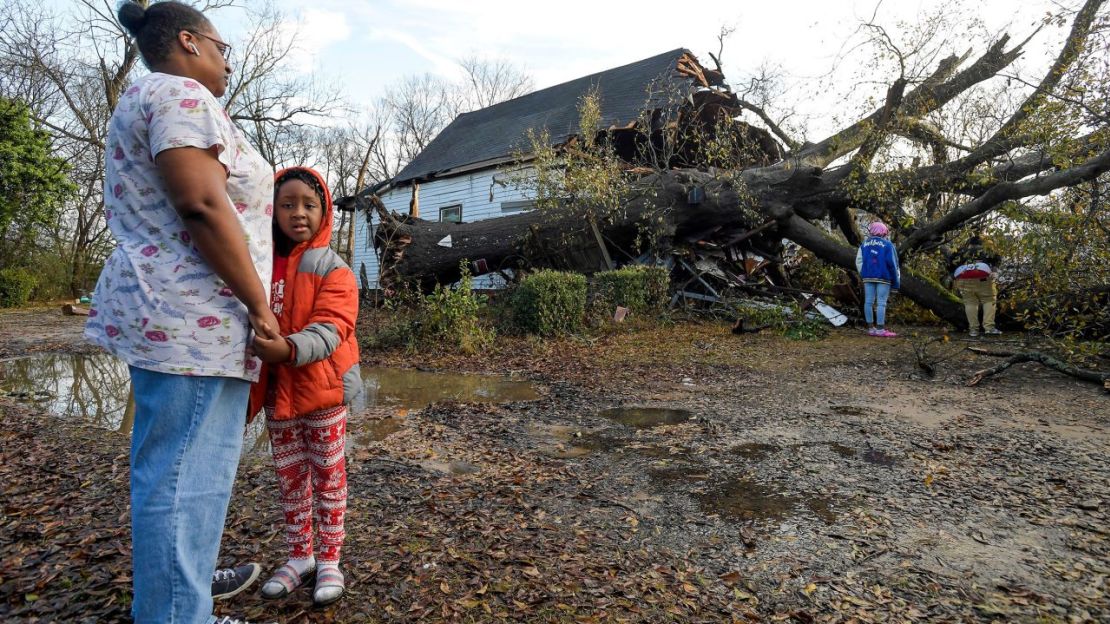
<point x="500" y="130"/>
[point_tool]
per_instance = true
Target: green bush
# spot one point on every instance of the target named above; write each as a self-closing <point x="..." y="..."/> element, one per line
<point x="16" y="285"/>
<point x="449" y="317"/>
<point x="641" y="289"/>
<point x="549" y="303"/>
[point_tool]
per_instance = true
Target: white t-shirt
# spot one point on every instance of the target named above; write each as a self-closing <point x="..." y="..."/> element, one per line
<point x="158" y="305"/>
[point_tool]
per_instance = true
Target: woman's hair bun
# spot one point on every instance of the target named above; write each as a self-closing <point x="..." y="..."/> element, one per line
<point x="132" y="16"/>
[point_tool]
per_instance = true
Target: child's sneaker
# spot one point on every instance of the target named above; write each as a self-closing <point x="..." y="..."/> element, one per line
<point x="230" y="581"/>
<point x="874" y="331"/>
<point x="886" y="333"/>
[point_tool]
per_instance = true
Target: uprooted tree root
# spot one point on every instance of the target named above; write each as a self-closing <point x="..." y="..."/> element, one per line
<point x="1036" y="356"/>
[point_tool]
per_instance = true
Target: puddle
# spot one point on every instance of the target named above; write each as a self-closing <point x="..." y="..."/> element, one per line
<point x="750" y="502"/>
<point x="89" y="388"/>
<point x="879" y="458"/>
<point x="678" y="474"/>
<point x="841" y="450"/>
<point x="95" y="389"/>
<point x="755" y="451"/>
<point x="375" y="430"/>
<point x="563" y="442"/>
<point x="646" y="417"/>
<point x="415" y="389"/>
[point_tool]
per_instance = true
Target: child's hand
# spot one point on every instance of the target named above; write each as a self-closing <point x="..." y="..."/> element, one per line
<point x="270" y="346"/>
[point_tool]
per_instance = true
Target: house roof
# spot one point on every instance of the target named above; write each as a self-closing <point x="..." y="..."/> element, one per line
<point x="493" y="134"/>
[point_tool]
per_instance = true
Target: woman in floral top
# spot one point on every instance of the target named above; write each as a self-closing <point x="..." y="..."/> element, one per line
<point x="189" y="203"/>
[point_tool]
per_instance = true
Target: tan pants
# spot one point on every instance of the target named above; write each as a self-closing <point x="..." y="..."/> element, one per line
<point x="976" y="292"/>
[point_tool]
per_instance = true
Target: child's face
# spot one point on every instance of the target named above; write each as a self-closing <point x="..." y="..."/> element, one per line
<point x="298" y="211"/>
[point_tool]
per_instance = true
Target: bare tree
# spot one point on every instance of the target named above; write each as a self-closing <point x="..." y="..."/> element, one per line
<point x="488" y="82"/>
<point x="71" y="67"/>
<point x="277" y="106"/>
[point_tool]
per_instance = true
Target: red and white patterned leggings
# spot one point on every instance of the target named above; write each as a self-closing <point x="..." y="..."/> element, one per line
<point x="312" y="476"/>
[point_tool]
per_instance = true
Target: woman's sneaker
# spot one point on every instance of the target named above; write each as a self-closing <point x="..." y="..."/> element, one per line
<point x="230" y="581"/>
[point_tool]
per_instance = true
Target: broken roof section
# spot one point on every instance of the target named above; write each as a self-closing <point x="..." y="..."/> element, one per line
<point x="491" y="135"/>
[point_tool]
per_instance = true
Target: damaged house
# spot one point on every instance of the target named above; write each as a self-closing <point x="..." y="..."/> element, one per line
<point x="466" y="175"/>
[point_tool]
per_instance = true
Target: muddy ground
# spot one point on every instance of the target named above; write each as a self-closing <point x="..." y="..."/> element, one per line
<point x="770" y="480"/>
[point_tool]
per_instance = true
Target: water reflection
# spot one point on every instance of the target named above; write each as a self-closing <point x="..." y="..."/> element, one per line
<point x="96" y="389"/>
<point x="415" y="389"/>
<point x="646" y="417"/>
<point x="751" y="502"/>
<point x="91" y="388"/>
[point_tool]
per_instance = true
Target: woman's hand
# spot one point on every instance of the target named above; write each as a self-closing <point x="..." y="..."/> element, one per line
<point x="270" y="345"/>
<point x="263" y="317"/>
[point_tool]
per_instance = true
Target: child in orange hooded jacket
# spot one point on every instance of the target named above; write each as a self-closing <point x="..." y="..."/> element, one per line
<point x="309" y="377"/>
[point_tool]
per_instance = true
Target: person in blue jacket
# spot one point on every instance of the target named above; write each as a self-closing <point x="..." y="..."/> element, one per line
<point x="877" y="263"/>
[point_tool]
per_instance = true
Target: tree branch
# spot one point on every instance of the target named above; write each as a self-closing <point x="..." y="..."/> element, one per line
<point x="771" y="125"/>
<point x="1005" y="191"/>
<point x="1047" y="360"/>
<point x="930" y="95"/>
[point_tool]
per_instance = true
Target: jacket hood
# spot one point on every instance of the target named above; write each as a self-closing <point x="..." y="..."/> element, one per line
<point x="322" y="238"/>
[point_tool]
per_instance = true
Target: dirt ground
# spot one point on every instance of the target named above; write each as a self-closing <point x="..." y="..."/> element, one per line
<point x="827" y="481"/>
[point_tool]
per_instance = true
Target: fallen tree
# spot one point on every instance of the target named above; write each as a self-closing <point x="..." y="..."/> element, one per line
<point x="810" y="202"/>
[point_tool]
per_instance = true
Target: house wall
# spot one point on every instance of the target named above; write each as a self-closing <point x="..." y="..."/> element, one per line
<point x="473" y="191"/>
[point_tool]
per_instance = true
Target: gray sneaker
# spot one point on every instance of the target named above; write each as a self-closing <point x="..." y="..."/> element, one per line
<point x="993" y="332"/>
<point x="230" y="581"/>
<point x="973" y="333"/>
<point x="230" y="620"/>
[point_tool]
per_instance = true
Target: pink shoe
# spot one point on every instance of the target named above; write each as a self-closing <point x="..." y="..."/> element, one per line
<point x="886" y="333"/>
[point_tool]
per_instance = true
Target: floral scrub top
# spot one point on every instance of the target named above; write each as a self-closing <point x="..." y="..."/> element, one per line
<point x="157" y="305"/>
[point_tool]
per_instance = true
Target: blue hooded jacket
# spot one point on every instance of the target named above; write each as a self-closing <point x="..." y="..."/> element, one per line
<point x="877" y="261"/>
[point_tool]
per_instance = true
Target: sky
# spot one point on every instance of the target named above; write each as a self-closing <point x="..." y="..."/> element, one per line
<point x="369" y="45"/>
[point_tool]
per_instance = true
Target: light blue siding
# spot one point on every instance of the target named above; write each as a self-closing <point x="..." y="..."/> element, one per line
<point x="478" y="194"/>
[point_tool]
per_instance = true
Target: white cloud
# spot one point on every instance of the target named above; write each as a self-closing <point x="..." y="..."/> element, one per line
<point x="313" y="33"/>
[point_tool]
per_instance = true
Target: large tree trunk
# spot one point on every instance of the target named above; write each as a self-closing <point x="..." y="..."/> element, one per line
<point x="790" y="195"/>
<point x="417" y="249"/>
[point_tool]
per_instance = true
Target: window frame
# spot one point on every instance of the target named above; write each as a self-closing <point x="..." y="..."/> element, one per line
<point x="446" y="209"/>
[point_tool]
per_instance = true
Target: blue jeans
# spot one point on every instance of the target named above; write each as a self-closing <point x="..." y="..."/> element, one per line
<point x="184" y="451"/>
<point x="875" y="294"/>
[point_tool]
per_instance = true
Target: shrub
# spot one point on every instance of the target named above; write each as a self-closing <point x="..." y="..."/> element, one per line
<point x="449" y="317"/>
<point x="16" y="285"/>
<point x="549" y="302"/>
<point x="641" y="289"/>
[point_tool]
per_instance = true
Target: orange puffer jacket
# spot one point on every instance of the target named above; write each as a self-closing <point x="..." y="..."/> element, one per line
<point x="320" y="308"/>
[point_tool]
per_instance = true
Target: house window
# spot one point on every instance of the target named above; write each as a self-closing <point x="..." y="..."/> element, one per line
<point x="451" y="214"/>
<point x="517" y="206"/>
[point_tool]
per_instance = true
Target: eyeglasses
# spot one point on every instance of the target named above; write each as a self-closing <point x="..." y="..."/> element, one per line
<point x="224" y="48"/>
